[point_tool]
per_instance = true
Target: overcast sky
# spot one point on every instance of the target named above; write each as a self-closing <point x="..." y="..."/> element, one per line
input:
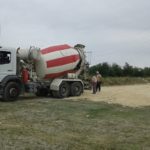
<point x="116" y="31"/>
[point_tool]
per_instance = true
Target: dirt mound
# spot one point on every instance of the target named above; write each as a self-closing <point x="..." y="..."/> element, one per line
<point x="133" y="95"/>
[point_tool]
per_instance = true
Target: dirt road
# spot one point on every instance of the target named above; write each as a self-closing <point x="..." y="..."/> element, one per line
<point x="133" y="95"/>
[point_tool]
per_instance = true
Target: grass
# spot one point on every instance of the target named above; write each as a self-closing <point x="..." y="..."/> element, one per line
<point x="125" y="80"/>
<point x="40" y="124"/>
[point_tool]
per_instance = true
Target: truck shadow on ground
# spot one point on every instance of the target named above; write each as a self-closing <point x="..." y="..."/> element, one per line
<point x="31" y="97"/>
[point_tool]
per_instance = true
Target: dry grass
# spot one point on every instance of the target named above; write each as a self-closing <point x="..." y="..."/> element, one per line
<point x="125" y="80"/>
<point x="34" y="124"/>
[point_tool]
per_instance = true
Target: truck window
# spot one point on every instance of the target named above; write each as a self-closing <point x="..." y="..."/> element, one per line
<point x="5" y="57"/>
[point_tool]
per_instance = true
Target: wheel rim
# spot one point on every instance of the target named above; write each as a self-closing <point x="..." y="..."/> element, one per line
<point x="13" y="92"/>
<point x="77" y="88"/>
<point x="64" y="90"/>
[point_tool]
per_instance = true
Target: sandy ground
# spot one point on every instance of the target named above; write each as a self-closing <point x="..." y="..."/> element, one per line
<point x="133" y="95"/>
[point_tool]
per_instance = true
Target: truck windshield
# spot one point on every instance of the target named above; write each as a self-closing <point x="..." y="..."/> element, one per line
<point x="5" y="57"/>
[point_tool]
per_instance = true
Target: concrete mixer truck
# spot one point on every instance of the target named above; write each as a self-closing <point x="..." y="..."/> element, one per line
<point x="50" y="71"/>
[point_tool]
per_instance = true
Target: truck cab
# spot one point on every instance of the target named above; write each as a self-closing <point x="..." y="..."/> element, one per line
<point x="9" y="81"/>
<point x="7" y="62"/>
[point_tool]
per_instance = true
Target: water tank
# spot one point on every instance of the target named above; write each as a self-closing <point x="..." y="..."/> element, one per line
<point x="57" y="61"/>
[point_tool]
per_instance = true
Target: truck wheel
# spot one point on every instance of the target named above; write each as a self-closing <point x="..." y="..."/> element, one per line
<point x="11" y="91"/>
<point x="64" y="90"/>
<point x="76" y="89"/>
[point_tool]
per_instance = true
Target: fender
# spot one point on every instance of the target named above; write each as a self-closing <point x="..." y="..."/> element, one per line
<point x="57" y="82"/>
<point x="10" y="78"/>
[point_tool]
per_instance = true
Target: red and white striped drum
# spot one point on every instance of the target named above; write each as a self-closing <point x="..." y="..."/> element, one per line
<point x="57" y="61"/>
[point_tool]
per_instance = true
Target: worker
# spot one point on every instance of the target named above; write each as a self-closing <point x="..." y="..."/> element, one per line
<point x="25" y="75"/>
<point x="99" y="81"/>
<point x="94" y="84"/>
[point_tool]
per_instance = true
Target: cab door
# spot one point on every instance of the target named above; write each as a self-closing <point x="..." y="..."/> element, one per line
<point x="7" y="63"/>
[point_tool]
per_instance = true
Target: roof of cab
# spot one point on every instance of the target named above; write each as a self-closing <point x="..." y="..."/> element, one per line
<point x="7" y="49"/>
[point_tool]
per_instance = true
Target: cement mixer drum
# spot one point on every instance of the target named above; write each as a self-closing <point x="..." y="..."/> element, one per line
<point x="57" y="61"/>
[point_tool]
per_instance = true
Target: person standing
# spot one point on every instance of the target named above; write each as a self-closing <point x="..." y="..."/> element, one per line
<point x="99" y="81"/>
<point x="94" y="84"/>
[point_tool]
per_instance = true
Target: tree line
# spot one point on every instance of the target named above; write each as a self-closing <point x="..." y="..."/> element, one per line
<point x="115" y="70"/>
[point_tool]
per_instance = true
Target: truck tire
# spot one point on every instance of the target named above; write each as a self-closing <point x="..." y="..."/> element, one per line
<point x="11" y="91"/>
<point x="76" y="89"/>
<point x="64" y="91"/>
